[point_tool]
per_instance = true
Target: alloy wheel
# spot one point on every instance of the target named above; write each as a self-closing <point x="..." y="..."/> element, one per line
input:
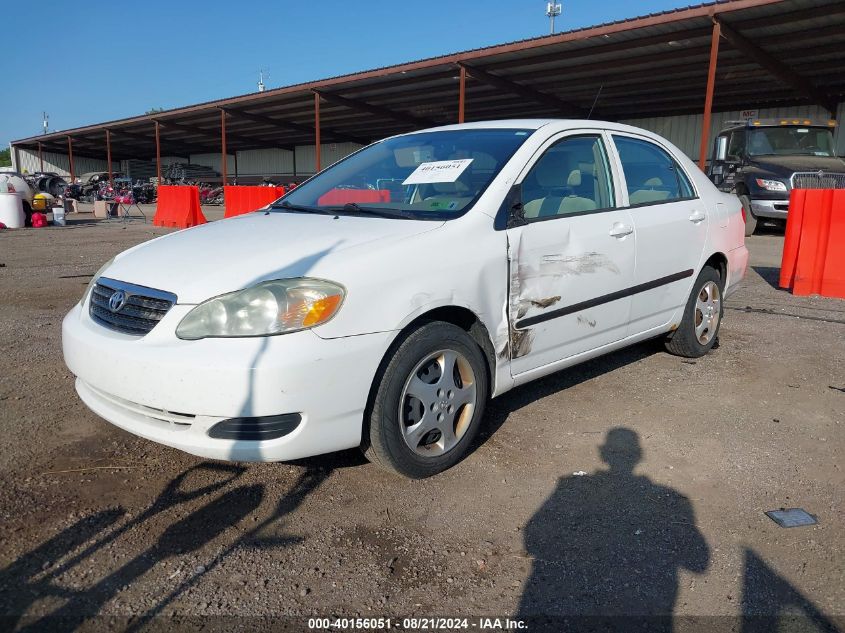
<point x="437" y="403"/>
<point x="708" y="310"/>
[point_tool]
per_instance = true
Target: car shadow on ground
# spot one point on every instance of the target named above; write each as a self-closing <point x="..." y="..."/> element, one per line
<point x="499" y="409"/>
<point x="40" y="575"/>
<point x="770" y="227"/>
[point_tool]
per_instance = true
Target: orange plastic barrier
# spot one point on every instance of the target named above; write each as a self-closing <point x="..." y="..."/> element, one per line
<point x="792" y="237"/>
<point x="342" y="196"/>
<point x="178" y="206"/>
<point x="814" y="248"/>
<point x="240" y="199"/>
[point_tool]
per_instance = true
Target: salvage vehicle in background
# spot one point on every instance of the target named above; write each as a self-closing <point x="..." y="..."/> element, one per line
<point x="93" y="182"/>
<point x="761" y="161"/>
<point x="381" y="303"/>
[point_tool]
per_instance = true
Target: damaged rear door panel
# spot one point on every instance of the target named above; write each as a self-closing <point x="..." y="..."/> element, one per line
<point x="573" y="253"/>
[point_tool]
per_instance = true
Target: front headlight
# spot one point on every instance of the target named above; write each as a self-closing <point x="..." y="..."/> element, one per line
<point x="268" y="308"/>
<point x="771" y="185"/>
<point x="93" y="281"/>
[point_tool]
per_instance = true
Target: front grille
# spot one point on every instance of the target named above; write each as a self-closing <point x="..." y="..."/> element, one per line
<point x="817" y="180"/>
<point x="139" y="313"/>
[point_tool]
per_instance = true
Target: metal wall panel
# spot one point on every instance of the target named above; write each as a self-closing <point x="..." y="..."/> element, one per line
<point x="213" y="160"/>
<point x="168" y="160"/>
<point x="330" y="153"/>
<point x="60" y="164"/>
<point x="685" y="131"/>
<point x="265" y="162"/>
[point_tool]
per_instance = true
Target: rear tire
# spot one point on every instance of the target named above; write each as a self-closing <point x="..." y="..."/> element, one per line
<point x="428" y="402"/>
<point x="750" y="218"/>
<point x="699" y="328"/>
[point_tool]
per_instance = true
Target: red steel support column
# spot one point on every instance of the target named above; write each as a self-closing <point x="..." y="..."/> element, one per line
<point x="108" y="157"/>
<point x="462" y="87"/>
<point x="40" y="157"/>
<point x="708" y="99"/>
<point x="158" y="155"/>
<point x="316" y="132"/>
<point x="223" y="157"/>
<point x="70" y="158"/>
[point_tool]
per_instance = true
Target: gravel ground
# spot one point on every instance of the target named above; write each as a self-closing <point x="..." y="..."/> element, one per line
<point x="632" y="484"/>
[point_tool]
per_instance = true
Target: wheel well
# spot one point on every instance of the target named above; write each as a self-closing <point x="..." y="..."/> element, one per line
<point x="456" y="315"/>
<point x="720" y="263"/>
<point x="465" y="319"/>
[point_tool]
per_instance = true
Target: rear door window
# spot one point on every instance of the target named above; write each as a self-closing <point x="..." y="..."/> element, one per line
<point x="652" y="176"/>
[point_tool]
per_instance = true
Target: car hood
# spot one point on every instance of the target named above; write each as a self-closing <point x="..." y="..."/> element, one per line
<point x="209" y="260"/>
<point x="785" y="165"/>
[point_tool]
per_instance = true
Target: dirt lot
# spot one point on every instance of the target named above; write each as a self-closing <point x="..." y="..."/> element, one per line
<point x="679" y="459"/>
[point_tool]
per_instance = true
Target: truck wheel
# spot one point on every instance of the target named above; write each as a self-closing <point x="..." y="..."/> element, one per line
<point x="428" y="402"/>
<point x="750" y="218"/>
<point x="699" y="326"/>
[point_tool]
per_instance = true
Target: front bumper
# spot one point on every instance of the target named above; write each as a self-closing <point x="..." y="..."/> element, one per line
<point x="776" y="209"/>
<point x="173" y="391"/>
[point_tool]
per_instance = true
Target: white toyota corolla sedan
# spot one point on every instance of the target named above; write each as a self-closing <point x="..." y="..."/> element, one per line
<point x="384" y="301"/>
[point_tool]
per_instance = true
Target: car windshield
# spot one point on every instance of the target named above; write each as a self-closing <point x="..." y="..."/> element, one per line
<point x="814" y="141"/>
<point x="426" y="176"/>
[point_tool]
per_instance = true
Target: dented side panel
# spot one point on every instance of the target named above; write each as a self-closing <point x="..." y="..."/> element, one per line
<point x="559" y="263"/>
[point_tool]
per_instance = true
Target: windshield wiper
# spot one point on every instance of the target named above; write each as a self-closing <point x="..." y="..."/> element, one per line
<point x="385" y="212"/>
<point x="298" y="207"/>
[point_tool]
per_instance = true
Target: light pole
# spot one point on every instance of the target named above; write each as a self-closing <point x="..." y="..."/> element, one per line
<point x="553" y="9"/>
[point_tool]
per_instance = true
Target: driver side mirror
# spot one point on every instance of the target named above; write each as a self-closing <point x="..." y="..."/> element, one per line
<point x="722" y="148"/>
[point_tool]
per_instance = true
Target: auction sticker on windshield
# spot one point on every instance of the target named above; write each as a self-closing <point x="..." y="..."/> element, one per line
<point x="438" y="171"/>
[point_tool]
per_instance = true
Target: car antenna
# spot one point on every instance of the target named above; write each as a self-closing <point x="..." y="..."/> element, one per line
<point x="592" y="107"/>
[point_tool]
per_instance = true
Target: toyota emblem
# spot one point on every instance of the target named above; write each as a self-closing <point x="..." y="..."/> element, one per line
<point x="117" y="301"/>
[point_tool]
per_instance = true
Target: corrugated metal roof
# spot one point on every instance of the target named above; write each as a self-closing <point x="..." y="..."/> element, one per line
<point x="653" y="65"/>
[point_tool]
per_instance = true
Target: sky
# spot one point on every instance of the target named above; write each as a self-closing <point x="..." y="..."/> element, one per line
<point x="98" y="61"/>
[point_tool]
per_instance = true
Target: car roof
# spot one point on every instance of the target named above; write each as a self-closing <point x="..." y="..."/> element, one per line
<point x="536" y="124"/>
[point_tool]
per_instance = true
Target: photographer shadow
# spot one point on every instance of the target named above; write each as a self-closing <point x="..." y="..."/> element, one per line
<point x="608" y="547"/>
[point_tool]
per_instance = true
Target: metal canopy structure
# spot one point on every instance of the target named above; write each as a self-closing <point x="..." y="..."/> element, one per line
<point x="719" y="56"/>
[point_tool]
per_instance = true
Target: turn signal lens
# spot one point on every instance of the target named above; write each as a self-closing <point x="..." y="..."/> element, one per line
<point x="321" y="310"/>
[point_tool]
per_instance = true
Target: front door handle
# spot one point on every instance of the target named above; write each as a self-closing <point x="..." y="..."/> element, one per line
<point x="697" y="216"/>
<point x="620" y="230"/>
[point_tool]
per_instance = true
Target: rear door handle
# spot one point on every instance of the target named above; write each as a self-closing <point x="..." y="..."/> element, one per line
<point x="697" y="216"/>
<point x="620" y="230"/>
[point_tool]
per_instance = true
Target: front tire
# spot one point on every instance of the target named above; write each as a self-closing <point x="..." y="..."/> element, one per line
<point x="750" y="218"/>
<point x="699" y="328"/>
<point x="428" y="402"/>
